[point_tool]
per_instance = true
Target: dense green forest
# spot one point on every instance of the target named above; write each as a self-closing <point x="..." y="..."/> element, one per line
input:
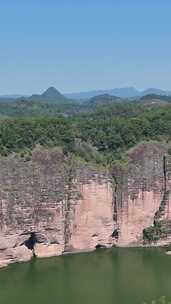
<point x="100" y="135"/>
<point x="24" y="108"/>
<point x="114" y="133"/>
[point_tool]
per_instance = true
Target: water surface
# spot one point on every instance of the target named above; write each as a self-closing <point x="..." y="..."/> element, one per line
<point x="117" y="276"/>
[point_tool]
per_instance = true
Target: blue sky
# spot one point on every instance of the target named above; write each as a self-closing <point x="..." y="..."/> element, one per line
<point x="84" y="45"/>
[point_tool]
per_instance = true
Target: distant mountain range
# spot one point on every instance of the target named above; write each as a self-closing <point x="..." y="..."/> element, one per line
<point x="127" y="92"/>
<point x="52" y="95"/>
<point x="14" y="96"/>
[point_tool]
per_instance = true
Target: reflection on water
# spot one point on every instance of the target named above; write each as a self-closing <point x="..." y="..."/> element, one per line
<point x="117" y="276"/>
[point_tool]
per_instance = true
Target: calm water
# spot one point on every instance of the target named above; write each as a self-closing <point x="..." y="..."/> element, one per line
<point x="117" y="276"/>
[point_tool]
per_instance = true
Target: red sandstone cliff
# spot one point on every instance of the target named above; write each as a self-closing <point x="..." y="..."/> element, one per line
<point x="51" y="204"/>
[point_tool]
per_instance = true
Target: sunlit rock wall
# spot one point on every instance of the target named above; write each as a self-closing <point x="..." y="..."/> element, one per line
<point x="139" y="192"/>
<point x="93" y="216"/>
<point x="51" y="205"/>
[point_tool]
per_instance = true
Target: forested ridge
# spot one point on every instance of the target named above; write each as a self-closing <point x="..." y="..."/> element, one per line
<point x="99" y="135"/>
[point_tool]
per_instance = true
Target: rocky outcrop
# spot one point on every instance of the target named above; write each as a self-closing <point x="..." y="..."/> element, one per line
<point x="159" y="233"/>
<point x="52" y="204"/>
<point x="140" y="190"/>
<point x="48" y="250"/>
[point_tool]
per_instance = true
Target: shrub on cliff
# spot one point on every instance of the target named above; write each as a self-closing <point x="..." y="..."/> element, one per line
<point x="156" y="232"/>
<point x="169" y="151"/>
<point x="87" y="152"/>
<point x="162" y="300"/>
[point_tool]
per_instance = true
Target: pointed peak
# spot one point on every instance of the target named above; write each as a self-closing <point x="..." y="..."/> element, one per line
<point x="51" y="91"/>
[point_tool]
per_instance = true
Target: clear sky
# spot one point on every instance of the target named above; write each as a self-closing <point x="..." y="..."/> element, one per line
<point x="78" y="45"/>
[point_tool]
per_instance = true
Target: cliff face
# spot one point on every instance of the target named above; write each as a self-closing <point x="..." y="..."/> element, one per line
<point x="51" y="205"/>
<point x="140" y="190"/>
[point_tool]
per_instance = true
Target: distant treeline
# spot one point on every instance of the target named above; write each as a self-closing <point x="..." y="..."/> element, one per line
<point x="24" y="108"/>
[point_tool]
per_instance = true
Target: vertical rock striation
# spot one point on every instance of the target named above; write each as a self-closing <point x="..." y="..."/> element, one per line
<point x="139" y="192"/>
<point x="52" y="205"/>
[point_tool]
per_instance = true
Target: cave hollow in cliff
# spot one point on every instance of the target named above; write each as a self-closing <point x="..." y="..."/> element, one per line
<point x="31" y="241"/>
<point x="99" y="246"/>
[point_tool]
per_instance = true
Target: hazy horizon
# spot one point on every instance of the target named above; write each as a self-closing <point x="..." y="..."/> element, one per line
<point x="83" y="91"/>
<point x="78" y="47"/>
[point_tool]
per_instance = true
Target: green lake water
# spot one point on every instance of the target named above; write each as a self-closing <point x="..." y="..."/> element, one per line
<point x="116" y="276"/>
